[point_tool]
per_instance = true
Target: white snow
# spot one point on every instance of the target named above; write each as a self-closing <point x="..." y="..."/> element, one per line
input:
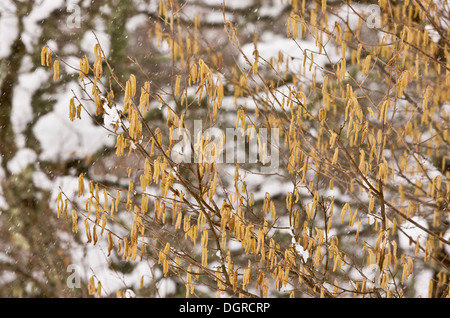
<point x="28" y="84"/>
<point x="272" y="10"/>
<point x="135" y="22"/>
<point x="421" y="283"/>
<point x="8" y="27"/>
<point x="130" y="294"/>
<point x="111" y="117"/>
<point x="346" y="13"/>
<point x="414" y="232"/>
<point x="270" y="46"/>
<point x="298" y="248"/>
<point x="231" y="4"/>
<point x="21" y="160"/>
<point x="166" y="286"/>
<point x="447" y="237"/>
<point x="32" y="29"/>
<point x="61" y="139"/>
<point x="89" y="41"/>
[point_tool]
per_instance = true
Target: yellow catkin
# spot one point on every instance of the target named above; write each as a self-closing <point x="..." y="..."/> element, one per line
<point x="104" y="221"/>
<point x="220" y="94"/>
<point x="56" y="70"/>
<point x="74" y="221"/>
<point x="59" y="204"/>
<point x="84" y="67"/>
<point x="48" y="59"/>
<point x="255" y="63"/>
<point x="94" y="234"/>
<point x="44" y="53"/>
<point x="88" y="231"/>
<point x="335" y="156"/>
<point x="344" y="210"/>
<point x="105" y="200"/>
<point x="99" y="289"/>
<point x="177" y="85"/>
<point x="91" y="286"/>
<point x="98" y="71"/>
<point x="110" y="243"/>
<point x="353" y="218"/>
<point x="72" y="109"/>
<point x="430" y="289"/>
<point x="338" y="33"/>
<point x="357" y="230"/>
<point x="366" y="65"/>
